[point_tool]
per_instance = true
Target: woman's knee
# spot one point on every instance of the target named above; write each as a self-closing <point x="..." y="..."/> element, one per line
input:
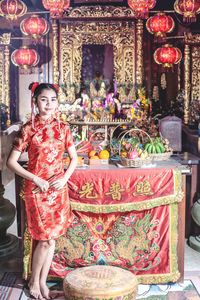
<point x="46" y="244"/>
<point x="51" y="242"/>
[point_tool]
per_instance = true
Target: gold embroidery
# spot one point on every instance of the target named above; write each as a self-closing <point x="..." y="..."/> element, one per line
<point x="87" y="191"/>
<point x="143" y="188"/>
<point x="115" y="191"/>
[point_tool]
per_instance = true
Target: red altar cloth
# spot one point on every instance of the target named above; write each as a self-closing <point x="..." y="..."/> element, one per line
<point x="122" y="217"/>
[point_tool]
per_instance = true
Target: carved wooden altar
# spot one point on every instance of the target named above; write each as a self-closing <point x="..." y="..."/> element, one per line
<point x="81" y="27"/>
<point x="103" y="25"/>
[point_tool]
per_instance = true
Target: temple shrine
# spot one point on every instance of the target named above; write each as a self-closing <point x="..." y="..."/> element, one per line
<point x="128" y="74"/>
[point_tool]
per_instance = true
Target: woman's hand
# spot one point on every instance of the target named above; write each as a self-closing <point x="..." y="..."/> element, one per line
<point x="42" y="184"/>
<point x="59" y="183"/>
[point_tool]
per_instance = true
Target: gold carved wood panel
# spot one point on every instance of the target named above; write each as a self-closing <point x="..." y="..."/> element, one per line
<point x="5" y="69"/>
<point x="191" y="72"/>
<point x="1" y="75"/>
<point x="121" y="34"/>
<point x="195" y="67"/>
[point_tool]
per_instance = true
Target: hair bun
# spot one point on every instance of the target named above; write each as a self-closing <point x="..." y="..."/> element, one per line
<point x="56" y="87"/>
<point x="33" y="86"/>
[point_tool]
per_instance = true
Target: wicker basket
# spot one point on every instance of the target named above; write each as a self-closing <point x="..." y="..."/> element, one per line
<point x="98" y="143"/>
<point x="113" y="148"/>
<point x="138" y="162"/>
<point x="135" y="163"/>
<point x="161" y="156"/>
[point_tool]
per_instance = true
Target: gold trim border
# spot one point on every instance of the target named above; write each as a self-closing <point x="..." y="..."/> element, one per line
<point x="174" y="274"/>
<point x="27" y="258"/>
<point x="98" y="11"/>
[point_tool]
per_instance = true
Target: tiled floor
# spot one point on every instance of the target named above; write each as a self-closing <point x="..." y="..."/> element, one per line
<point x="192" y="272"/>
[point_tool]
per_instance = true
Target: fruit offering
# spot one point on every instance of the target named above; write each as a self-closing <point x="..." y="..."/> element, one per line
<point x="157" y="145"/>
<point x="101" y="154"/>
<point x="80" y="160"/>
<point x="132" y="148"/>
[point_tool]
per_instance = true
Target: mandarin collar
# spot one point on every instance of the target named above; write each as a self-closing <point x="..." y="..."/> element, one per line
<point x="39" y="120"/>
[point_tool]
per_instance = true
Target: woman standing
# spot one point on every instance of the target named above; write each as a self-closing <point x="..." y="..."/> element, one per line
<point x="46" y="138"/>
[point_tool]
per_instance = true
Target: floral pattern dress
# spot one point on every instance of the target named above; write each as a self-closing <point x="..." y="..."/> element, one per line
<point x="48" y="212"/>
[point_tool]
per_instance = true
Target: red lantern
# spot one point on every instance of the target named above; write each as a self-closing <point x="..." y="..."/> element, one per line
<point x="25" y="57"/>
<point x="188" y="8"/>
<point x="141" y="7"/>
<point x="56" y="7"/>
<point x="12" y="9"/>
<point x="34" y="26"/>
<point x="160" y="24"/>
<point x="167" y="55"/>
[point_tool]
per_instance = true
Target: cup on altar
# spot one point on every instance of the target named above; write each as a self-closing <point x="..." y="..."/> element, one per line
<point x="100" y="282"/>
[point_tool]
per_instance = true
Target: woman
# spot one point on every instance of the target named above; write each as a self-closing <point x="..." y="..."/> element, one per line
<point x="46" y="138"/>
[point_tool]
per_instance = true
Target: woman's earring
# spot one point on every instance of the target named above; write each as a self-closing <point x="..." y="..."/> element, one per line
<point x="57" y="113"/>
<point x="36" y="109"/>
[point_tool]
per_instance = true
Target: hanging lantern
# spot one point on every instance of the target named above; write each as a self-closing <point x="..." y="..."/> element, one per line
<point x="25" y="57"/>
<point x="167" y="55"/>
<point x="34" y="26"/>
<point x="188" y="8"/>
<point x="12" y="9"/>
<point x="160" y="24"/>
<point x="141" y="7"/>
<point x="56" y="7"/>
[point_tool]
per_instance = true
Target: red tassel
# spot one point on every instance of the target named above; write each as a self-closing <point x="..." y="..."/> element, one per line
<point x="35" y="84"/>
<point x="56" y="87"/>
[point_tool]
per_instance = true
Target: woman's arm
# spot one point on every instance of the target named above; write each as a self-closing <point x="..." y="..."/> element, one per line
<point x="13" y="165"/>
<point x="60" y="183"/>
<point x="73" y="162"/>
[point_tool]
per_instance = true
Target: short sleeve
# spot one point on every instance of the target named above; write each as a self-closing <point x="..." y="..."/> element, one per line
<point x="69" y="141"/>
<point x="21" y="142"/>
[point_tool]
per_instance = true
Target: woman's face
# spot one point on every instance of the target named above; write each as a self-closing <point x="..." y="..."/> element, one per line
<point x="47" y="103"/>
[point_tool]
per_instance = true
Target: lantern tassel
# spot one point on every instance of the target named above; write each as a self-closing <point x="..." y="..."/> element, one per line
<point x="189" y="19"/>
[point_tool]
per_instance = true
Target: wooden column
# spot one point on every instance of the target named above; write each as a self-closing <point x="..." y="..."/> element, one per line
<point x="139" y="53"/>
<point x="7" y="79"/>
<point x="55" y="52"/>
<point x="186" y="83"/>
<point x="5" y="71"/>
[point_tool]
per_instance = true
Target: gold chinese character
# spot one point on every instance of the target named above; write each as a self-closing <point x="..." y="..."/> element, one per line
<point x="87" y="191"/>
<point x="143" y="188"/>
<point x="115" y="191"/>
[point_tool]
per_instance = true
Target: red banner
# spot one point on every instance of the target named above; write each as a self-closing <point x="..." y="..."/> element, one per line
<point x="123" y="189"/>
<point x="122" y="217"/>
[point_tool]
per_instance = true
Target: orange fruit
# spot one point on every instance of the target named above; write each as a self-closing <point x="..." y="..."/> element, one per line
<point x="66" y="160"/>
<point x="104" y="154"/>
<point x="92" y="153"/>
<point x="80" y="160"/>
<point x="124" y="154"/>
<point x="94" y="157"/>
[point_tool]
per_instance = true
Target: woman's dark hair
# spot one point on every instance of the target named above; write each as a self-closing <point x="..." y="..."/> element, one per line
<point x="37" y="88"/>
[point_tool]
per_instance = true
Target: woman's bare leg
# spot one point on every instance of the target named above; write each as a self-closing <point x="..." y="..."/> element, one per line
<point x="45" y="270"/>
<point x="39" y="258"/>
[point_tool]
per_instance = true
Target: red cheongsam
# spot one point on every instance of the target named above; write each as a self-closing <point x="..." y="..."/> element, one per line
<point x="48" y="212"/>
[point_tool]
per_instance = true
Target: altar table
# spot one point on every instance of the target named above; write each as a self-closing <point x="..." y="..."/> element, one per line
<point x="131" y="218"/>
